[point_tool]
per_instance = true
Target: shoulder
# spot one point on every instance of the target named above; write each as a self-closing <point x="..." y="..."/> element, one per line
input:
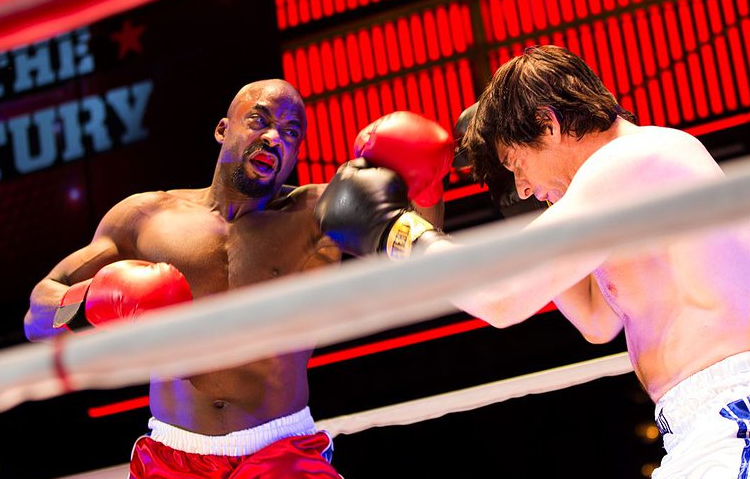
<point x="648" y="161"/>
<point x="303" y="197"/>
<point x="129" y="211"/>
<point x="144" y="202"/>
<point x="651" y="155"/>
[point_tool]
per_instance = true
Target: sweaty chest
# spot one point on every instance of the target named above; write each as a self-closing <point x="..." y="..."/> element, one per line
<point x="216" y="255"/>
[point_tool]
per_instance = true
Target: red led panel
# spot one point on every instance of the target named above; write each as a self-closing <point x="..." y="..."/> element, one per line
<point x="553" y="12"/>
<point x="685" y="91"/>
<point x="492" y="16"/>
<point x="618" y="57"/>
<point x="673" y="33"/>
<point x="673" y="63"/>
<point x="632" y="50"/>
<point x="701" y="21"/>
<point x="327" y="65"/>
<point x="686" y="25"/>
<point x="404" y="39"/>
<point x="642" y="106"/>
<point x="386" y="96"/>
<point x="378" y="50"/>
<point x="736" y="47"/>
<point x="581" y="8"/>
<point x="670" y="97"/>
<point x="399" y="95"/>
<point x="657" y="102"/>
<point x="525" y="16"/>
<point x="539" y="14"/>
<point x="595" y="6"/>
<point x="659" y="35"/>
<point x="567" y="10"/>
<point x="462" y="37"/>
<point x="340" y="62"/>
<point x="316" y="69"/>
<point x="431" y="35"/>
<point x="304" y="10"/>
<point x="510" y="17"/>
<point x="366" y="54"/>
<point x="392" y="47"/>
<point x="440" y="93"/>
<point x="712" y="79"/>
<point x="699" y="87"/>
<point x="681" y="63"/>
<point x="281" y="20"/>
<point x="644" y="38"/>
<point x="426" y="95"/>
<point x="292" y="13"/>
<point x="412" y="94"/>
<point x="725" y="73"/>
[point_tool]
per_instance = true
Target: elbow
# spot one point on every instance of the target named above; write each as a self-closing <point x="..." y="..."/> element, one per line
<point x="35" y="331"/>
<point x="30" y="331"/>
<point x="601" y="336"/>
<point x="498" y="321"/>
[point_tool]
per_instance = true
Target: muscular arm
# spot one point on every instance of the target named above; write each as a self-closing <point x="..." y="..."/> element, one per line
<point x="112" y="242"/>
<point x="516" y="299"/>
<point x="585" y="307"/>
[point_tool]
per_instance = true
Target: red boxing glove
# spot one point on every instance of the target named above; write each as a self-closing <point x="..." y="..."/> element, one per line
<point x="418" y="149"/>
<point x="123" y="289"/>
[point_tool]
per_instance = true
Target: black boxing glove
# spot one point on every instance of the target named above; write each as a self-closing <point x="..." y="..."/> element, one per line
<point x="366" y="210"/>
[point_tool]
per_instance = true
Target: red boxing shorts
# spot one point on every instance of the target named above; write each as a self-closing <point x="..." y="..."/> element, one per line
<point x="174" y="453"/>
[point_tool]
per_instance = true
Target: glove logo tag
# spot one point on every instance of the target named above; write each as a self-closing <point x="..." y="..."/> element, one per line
<point x="404" y="233"/>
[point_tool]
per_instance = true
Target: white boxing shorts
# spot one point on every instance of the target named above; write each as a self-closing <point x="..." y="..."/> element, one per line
<point x="705" y="423"/>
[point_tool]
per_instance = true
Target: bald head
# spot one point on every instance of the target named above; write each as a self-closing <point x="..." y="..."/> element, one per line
<point x="275" y="88"/>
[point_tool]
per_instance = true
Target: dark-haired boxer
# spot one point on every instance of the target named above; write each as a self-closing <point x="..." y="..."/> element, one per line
<point x="683" y="304"/>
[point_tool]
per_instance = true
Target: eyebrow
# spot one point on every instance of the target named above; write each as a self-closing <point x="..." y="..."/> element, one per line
<point x="503" y="156"/>
<point x="264" y="109"/>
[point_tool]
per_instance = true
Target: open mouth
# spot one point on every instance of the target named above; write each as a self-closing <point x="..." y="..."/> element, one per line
<point x="264" y="163"/>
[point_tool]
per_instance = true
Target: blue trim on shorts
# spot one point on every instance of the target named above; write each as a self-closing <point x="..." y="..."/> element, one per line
<point x="738" y="411"/>
<point x="328" y="452"/>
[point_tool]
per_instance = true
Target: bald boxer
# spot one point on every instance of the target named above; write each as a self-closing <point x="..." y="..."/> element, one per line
<point x="160" y="248"/>
<point x="683" y="304"/>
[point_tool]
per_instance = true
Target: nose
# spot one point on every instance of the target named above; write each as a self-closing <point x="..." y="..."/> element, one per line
<point x="271" y="137"/>
<point x="523" y="187"/>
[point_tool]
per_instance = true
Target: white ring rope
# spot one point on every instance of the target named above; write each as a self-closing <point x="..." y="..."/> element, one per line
<point x="432" y="407"/>
<point x="362" y="297"/>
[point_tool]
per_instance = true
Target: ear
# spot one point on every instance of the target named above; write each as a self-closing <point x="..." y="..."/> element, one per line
<point x="220" y="130"/>
<point x="551" y="123"/>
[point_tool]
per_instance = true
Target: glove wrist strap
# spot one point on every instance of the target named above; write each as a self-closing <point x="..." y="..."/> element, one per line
<point x="72" y="314"/>
<point x="407" y="229"/>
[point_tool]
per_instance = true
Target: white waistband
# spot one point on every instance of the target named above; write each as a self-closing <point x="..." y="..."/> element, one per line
<point x="681" y="402"/>
<point x="237" y="443"/>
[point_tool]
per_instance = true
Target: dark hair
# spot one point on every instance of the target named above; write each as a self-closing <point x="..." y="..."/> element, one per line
<point x="513" y="108"/>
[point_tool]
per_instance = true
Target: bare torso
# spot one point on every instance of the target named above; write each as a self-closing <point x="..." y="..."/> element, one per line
<point x="217" y="255"/>
<point x="683" y="304"/>
<point x="679" y="315"/>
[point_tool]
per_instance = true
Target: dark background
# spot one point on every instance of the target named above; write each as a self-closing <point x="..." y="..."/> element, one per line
<point x="198" y="54"/>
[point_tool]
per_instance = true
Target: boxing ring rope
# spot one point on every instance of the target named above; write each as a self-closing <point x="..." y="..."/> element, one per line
<point x="337" y="304"/>
<point x="433" y="407"/>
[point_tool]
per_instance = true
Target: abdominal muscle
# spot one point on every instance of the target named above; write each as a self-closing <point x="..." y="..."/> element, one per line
<point x="230" y="400"/>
